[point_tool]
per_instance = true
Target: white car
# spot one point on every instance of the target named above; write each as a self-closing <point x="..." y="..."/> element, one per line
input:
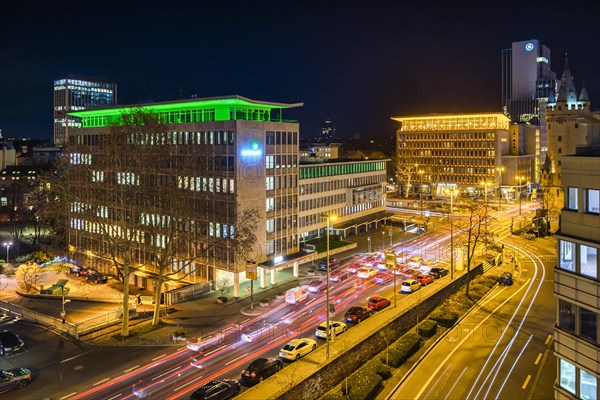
<point x="366" y="273"/>
<point x="297" y="348"/>
<point x="414" y="262"/>
<point x="296" y="295"/>
<point x="409" y="286"/>
<point x="335" y="327"/>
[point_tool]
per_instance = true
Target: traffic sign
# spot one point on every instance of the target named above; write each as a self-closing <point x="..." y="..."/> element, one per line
<point x="251" y="270"/>
<point x="390" y="259"/>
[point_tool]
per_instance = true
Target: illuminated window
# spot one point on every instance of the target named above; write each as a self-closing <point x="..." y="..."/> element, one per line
<point x="270" y="183"/>
<point x="572" y="198"/>
<point x="592" y="201"/>
<point x="567" y="255"/>
<point x="588" y="261"/>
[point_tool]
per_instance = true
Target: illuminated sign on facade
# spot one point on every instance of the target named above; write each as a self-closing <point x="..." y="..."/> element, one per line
<point x="253" y="151"/>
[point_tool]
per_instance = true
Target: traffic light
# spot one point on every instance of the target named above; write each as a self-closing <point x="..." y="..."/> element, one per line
<point x="332" y="308"/>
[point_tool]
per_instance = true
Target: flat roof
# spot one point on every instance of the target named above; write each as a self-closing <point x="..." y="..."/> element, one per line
<point x="444" y="116"/>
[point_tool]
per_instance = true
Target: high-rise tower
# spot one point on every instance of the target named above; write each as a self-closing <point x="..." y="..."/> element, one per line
<point x="74" y="94"/>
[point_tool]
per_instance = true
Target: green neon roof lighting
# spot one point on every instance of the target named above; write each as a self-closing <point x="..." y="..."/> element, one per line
<point x="224" y="108"/>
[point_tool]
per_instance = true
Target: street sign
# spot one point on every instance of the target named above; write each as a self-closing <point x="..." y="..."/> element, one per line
<point x="251" y="270"/>
<point x="390" y="259"/>
<point x="63" y="313"/>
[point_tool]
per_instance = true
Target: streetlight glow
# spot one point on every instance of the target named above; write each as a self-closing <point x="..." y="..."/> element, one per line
<point x="329" y="219"/>
<point x="452" y="192"/>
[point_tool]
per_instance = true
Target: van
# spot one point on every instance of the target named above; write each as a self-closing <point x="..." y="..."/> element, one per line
<point x="296" y="295"/>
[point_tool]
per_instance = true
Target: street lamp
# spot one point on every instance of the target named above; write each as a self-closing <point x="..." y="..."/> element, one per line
<point x="500" y="169"/>
<point x="421" y="190"/>
<point x="7" y="244"/>
<point x="520" y="178"/>
<point x="369" y="242"/>
<point x="485" y="186"/>
<point x="452" y="192"/>
<point x="328" y="218"/>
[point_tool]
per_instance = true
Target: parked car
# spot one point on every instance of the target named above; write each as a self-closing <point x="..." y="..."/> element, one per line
<point x="377" y="303"/>
<point x="16" y="378"/>
<point x="296" y="295"/>
<point x="438" y="272"/>
<point x="78" y="271"/>
<point x="333" y="264"/>
<point x="384" y="278"/>
<point x="317" y="286"/>
<point x="506" y="279"/>
<point x="357" y="314"/>
<point x="10" y="343"/>
<point x="260" y="369"/>
<point x="217" y="390"/>
<point x="297" y="348"/>
<point x="366" y="273"/>
<point x="424" y="280"/>
<point x="409" y="286"/>
<point x="335" y="327"/>
<point x="96" y="277"/>
<point x="339" y="275"/>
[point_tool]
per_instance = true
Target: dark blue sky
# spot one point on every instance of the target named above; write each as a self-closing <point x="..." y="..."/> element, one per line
<point x="355" y="62"/>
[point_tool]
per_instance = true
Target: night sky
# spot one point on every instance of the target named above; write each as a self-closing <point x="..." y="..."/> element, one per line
<point x="357" y="63"/>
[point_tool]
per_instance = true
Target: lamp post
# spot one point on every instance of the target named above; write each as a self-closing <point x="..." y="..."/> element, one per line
<point x="500" y="169"/>
<point x="7" y="244"/>
<point x="369" y="243"/>
<point x="421" y="190"/>
<point x="485" y="186"/>
<point x="452" y="193"/>
<point x="520" y="178"/>
<point x="328" y="218"/>
<point x="382" y="240"/>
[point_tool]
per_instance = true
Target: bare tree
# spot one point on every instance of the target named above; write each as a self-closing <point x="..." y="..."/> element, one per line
<point x="472" y="225"/>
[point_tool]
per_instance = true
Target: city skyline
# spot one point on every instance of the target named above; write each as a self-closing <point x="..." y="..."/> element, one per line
<point x="355" y="65"/>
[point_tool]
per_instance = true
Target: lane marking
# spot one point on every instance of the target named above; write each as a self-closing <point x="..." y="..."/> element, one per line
<point x="67" y="396"/>
<point x="455" y="383"/>
<point x="548" y="340"/>
<point x="537" y="360"/>
<point x="131" y="369"/>
<point x="74" y="357"/>
<point x="186" y="384"/>
<point x="159" y="357"/>
<point x="511" y="369"/>
<point x="101" y="382"/>
<point x="215" y="350"/>
<point x="116" y="396"/>
<point x="526" y="382"/>
<point x="165" y="373"/>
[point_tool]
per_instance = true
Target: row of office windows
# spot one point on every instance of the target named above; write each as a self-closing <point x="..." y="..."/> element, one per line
<point x="280" y="182"/>
<point x="281" y="161"/>
<point x="577" y="381"/>
<point x="475" y="145"/>
<point x="336" y="184"/>
<point x="323" y="201"/>
<point x="203" y="184"/>
<point x="281" y="203"/>
<point x="278" y="137"/>
<point x="281" y="223"/>
<point x="578" y="258"/>
<point x="317" y="218"/>
<point x="578" y="320"/>
<point x="591" y="200"/>
<point x="318" y="171"/>
<point x="281" y="245"/>
<point x="447" y="153"/>
<point x="460" y="136"/>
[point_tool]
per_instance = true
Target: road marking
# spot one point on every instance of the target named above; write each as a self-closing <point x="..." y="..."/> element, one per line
<point x="74" y="357"/>
<point x="215" y="350"/>
<point x="526" y="382"/>
<point x="537" y="360"/>
<point x="455" y="382"/>
<point x="67" y="396"/>
<point x="244" y="321"/>
<point x="235" y="359"/>
<point x="101" y="382"/>
<point x="165" y="373"/>
<point x="548" y="340"/>
<point x="131" y="369"/>
<point x="114" y="397"/>
<point x="308" y="302"/>
<point x="159" y="357"/>
<point x="185" y="384"/>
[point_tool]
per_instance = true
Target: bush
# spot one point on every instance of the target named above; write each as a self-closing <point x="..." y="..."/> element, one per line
<point x="402" y="349"/>
<point x="427" y="328"/>
<point x="444" y="317"/>
<point x="379" y="368"/>
<point x="363" y="384"/>
<point x="7" y="270"/>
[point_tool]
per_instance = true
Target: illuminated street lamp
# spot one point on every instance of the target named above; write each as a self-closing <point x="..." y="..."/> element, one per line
<point x="421" y="190"/>
<point x="500" y="170"/>
<point x="452" y="193"/>
<point x="369" y="242"/>
<point x="7" y="244"/>
<point x="520" y="179"/>
<point x="328" y="218"/>
<point x="485" y="187"/>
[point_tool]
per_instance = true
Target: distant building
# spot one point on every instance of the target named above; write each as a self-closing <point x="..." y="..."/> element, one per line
<point x="576" y="277"/>
<point x="321" y="151"/>
<point x="327" y="131"/>
<point x="74" y="94"/>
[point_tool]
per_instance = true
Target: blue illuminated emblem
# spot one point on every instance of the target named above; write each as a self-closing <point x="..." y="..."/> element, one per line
<point x="529" y="46"/>
<point x="253" y="151"/>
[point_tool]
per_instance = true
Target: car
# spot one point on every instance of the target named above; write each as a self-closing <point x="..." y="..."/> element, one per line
<point x="400" y="269"/>
<point x="96" y="277"/>
<point x="357" y="314"/>
<point x="10" y="343"/>
<point x="297" y="348"/>
<point x="335" y="327"/>
<point x="409" y="286"/>
<point x="317" y="286"/>
<point x="217" y="390"/>
<point x="506" y="279"/>
<point x="384" y="278"/>
<point x="78" y="271"/>
<point x="260" y="369"/>
<point x="339" y="275"/>
<point x="333" y="264"/>
<point x="414" y="262"/>
<point x="438" y="272"/>
<point x="377" y="303"/>
<point x="366" y="272"/>
<point x="370" y="260"/>
<point x="296" y="295"/>
<point x="423" y="279"/>
<point x="16" y="378"/>
<point x="353" y="268"/>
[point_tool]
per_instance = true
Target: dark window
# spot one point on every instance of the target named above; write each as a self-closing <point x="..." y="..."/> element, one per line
<point x="270" y="137"/>
<point x="560" y="138"/>
<point x="566" y="317"/>
<point x="588" y="324"/>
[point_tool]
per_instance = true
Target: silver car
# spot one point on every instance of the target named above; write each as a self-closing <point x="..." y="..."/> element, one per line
<point x="14" y="378"/>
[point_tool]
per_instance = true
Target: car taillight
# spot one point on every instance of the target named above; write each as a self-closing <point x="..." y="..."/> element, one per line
<point x="253" y="375"/>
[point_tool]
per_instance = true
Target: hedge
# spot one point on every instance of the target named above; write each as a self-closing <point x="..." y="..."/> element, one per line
<point x="363" y="384"/>
<point x="401" y="349"/>
<point x="444" y="317"/>
<point x="427" y="328"/>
